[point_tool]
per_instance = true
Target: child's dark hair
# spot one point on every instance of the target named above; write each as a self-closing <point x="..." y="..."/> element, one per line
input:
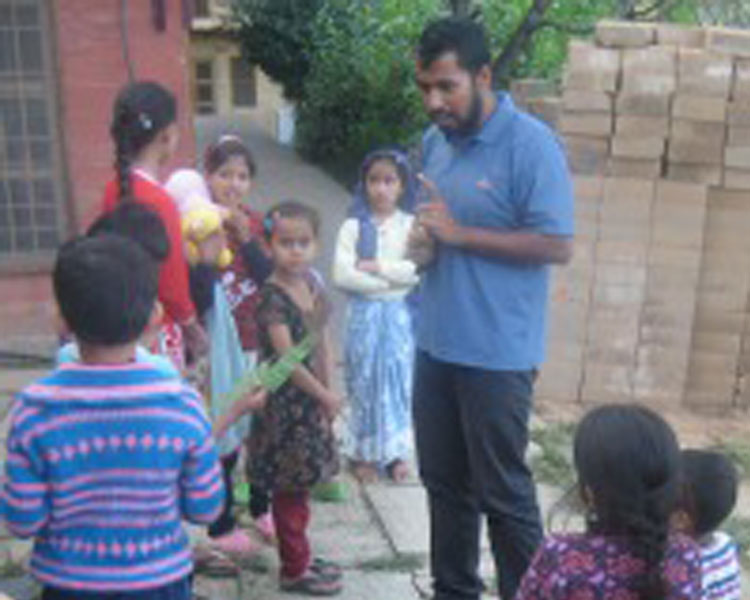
<point x="710" y="489"/>
<point x="629" y="470"/>
<point x="138" y="223"/>
<point x="105" y="286"/>
<point x="291" y="209"/>
<point x="461" y="35"/>
<point x="141" y="110"/>
<point x="225" y="148"/>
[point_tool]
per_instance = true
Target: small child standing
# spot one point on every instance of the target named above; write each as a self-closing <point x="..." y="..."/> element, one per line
<point x="106" y="456"/>
<point x="629" y="474"/>
<point x="144" y="130"/>
<point x="370" y="263"/>
<point x="230" y="171"/>
<point x="710" y="496"/>
<point x="292" y="446"/>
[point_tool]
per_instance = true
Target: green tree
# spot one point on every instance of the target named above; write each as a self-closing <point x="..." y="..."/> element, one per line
<point x="276" y="34"/>
<point x="360" y="89"/>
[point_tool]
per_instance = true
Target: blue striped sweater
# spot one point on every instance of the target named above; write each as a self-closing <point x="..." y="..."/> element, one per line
<point x="103" y="463"/>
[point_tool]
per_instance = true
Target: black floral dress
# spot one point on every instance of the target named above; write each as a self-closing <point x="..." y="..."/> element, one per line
<point x="292" y="446"/>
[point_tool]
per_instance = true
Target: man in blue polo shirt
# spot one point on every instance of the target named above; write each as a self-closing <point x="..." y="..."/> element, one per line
<point x="499" y="212"/>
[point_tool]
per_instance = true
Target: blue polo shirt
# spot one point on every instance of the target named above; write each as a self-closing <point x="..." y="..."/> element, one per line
<point x="511" y="175"/>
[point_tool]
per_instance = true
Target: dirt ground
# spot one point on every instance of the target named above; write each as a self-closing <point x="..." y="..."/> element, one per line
<point x="694" y="428"/>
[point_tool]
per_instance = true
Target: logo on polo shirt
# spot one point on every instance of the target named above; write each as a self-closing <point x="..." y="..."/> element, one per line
<point x="485" y="184"/>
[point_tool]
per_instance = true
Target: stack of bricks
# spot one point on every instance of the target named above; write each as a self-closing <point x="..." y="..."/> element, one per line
<point x="656" y="122"/>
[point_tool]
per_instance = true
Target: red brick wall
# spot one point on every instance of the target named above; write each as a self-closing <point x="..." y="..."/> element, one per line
<point x="91" y="70"/>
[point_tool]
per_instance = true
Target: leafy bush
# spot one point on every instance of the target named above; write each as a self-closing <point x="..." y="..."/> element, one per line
<point x="276" y="35"/>
<point x="360" y="90"/>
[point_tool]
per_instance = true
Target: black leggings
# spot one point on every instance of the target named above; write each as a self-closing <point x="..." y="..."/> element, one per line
<point x="260" y="499"/>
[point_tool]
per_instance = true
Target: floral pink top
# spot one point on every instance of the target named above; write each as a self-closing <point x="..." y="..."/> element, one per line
<point x="591" y="567"/>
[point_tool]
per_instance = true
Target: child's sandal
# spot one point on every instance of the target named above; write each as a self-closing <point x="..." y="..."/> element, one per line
<point x="311" y="583"/>
<point x="326" y="568"/>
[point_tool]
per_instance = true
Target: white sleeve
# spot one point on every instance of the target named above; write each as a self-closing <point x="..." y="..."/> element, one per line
<point x="395" y="267"/>
<point x="346" y="275"/>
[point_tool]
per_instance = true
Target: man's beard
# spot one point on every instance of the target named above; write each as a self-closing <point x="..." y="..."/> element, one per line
<point x="465" y="125"/>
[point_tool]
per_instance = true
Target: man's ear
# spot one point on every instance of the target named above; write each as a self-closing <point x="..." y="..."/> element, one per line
<point x="483" y="78"/>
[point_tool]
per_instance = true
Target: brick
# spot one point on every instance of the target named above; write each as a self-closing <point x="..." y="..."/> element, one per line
<point x="637" y="125"/>
<point x="523" y="90"/>
<point x="637" y="146"/>
<point x="707" y="131"/>
<point x="635" y="168"/>
<point x="729" y="41"/>
<point x="547" y="109"/>
<point x="622" y="34"/>
<point x="738" y="114"/>
<point x="616" y="296"/>
<point x="741" y="83"/>
<point x="586" y="155"/>
<point x="673" y="256"/>
<point x="661" y="335"/>
<point x="704" y="73"/>
<point x="592" y="68"/>
<point x="738" y="135"/>
<point x="585" y="100"/>
<point x="606" y="383"/>
<point x="737" y="157"/>
<point x="631" y="195"/>
<point x="650" y="70"/>
<point x="586" y="123"/>
<point x="668" y="34"/>
<point x="737" y="179"/>
<point x="716" y="343"/>
<point x="647" y="105"/>
<point x="705" y="174"/>
<point x="618" y="274"/>
<point x="695" y="151"/>
<point x="622" y="251"/>
<point x="588" y="188"/>
<point x="699" y="108"/>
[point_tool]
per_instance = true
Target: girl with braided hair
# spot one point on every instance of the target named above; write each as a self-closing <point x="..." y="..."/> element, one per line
<point x="629" y="476"/>
<point x="145" y="133"/>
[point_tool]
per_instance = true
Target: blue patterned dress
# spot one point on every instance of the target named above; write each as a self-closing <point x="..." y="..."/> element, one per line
<point x="378" y="343"/>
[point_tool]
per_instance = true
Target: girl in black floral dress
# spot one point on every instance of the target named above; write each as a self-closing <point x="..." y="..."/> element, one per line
<point x="292" y="447"/>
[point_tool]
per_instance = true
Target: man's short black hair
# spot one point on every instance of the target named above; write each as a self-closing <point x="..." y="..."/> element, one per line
<point x="106" y="287"/>
<point x="461" y="35"/>
<point x="137" y="222"/>
<point x="710" y="488"/>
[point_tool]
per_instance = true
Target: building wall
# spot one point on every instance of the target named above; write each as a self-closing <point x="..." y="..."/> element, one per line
<point x="269" y="98"/>
<point x="90" y="71"/>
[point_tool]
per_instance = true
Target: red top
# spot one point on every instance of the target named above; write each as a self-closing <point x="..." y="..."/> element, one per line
<point x="241" y="286"/>
<point x="174" y="291"/>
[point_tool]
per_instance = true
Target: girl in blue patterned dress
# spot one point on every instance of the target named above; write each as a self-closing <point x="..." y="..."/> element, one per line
<point x="370" y="264"/>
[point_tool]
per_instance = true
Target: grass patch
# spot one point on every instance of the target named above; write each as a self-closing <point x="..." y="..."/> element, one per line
<point x="394" y="563"/>
<point x="739" y="452"/>
<point x="553" y="465"/>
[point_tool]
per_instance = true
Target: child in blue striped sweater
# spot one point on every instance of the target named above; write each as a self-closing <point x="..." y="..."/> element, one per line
<point x="106" y="456"/>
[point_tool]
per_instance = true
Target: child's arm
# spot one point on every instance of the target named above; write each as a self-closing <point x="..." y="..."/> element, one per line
<point x="346" y="275"/>
<point x="201" y="486"/>
<point x="24" y="501"/>
<point x="251" y="402"/>
<point x="281" y="340"/>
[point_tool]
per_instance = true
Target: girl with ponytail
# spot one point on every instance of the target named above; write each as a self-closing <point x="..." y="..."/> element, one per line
<point x="628" y="464"/>
<point x="145" y="134"/>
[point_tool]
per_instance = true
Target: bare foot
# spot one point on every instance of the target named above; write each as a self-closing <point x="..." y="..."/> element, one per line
<point x="398" y="471"/>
